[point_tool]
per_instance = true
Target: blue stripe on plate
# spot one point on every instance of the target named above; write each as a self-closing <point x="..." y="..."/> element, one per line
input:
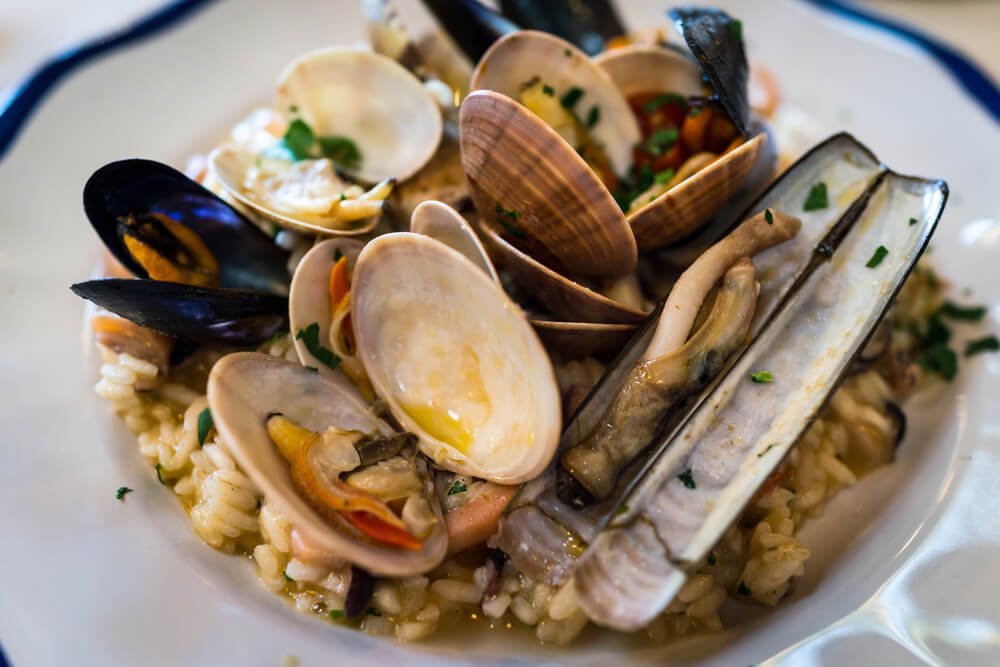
<point x="969" y="75"/>
<point x="30" y="94"/>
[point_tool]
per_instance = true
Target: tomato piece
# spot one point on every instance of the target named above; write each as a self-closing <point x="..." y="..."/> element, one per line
<point x="380" y="531"/>
<point x="340" y="283"/>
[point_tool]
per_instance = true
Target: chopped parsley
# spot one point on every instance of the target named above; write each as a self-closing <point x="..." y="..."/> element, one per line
<point x="817" y="198"/>
<point x="767" y="449"/>
<point x="341" y="150"/>
<point x="913" y="221"/>
<point x="336" y="614"/>
<point x="743" y="589"/>
<point x="593" y="117"/>
<point x="985" y="344"/>
<point x="762" y="377"/>
<point x="666" y="98"/>
<point x="300" y="143"/>
<point x="567" y="53"/>
<point x="769" y="217"/>
<point x="661" y="140"/>
<point x="663" y="177"/>
<point x="299" y="139"/>
<point x="205" y="424"/>
<point x="687" y="479"/>
<point x="622" y="509"/>
<point x="711" y="558"/>
<point x="571" y="97"/>
<point x="310" y="336"/>
<point x="940" y="359"/>
<point x="122" y="490"/>
<point x="880" y="253"/>
<point x="458" y="487"/>
<point x="549" y="90"/>
<point x="337" y="254"/>
<point x="735" y="28"/>
<point x="159" y="473"/>
<point x="506" y="220"/>
<point x="954" y="311"/>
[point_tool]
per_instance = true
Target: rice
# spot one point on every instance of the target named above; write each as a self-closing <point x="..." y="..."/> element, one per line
<point x="758" y="559"/>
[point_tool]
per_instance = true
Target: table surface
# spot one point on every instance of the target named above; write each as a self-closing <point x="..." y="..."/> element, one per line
<point x="33" y="30"/>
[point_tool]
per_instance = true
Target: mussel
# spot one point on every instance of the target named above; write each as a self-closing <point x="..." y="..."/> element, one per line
<point x="649" y="518"/>
<point x="204" y="272"/>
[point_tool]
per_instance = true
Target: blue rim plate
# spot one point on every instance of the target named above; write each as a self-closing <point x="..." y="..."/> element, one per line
<point x="902" y="565"/>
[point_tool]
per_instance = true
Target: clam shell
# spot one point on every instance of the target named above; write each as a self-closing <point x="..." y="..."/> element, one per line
<point x="574" y="340"/>
<point x="243" y="389"/>
<point x="370" y="99"/>
<point x="529" y="184"/>
<point x="522" y="56"/>
<point x="436" y="333"/>
<point x="644" y="68"/>
<point x="443" y="223"/>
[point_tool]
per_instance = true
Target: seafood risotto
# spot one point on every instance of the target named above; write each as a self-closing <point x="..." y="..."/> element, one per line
<point x="517" y="354"/>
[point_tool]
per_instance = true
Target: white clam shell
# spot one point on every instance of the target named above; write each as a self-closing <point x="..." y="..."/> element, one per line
<point x="645" y="68"/>
<point x="455" y="359"/>
<point x="443" y="223"/>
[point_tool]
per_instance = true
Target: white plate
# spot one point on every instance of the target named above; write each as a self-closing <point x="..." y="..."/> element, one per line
<point x="905" y="565"/>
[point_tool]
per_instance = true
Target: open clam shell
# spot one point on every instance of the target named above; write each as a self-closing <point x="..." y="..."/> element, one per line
<point x="244" y="388"/>
<point x="454" y="358"/>
<point x="533" y="187"/>
<point x="643" y="68"/>
<point x="371" y="100"/>
<point x="443" y="223"/>
<point x="574" y="340"/>
<point x="539" y="526"/>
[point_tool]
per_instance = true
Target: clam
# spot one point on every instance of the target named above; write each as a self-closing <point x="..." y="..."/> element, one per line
<point x="455" y="360"/>
<point x="443" y="223"/>
<point x="604" y="512"/>
<point x="328" y="464"/>
<point x="386" y="135"/>
<point x="205" y="272"/>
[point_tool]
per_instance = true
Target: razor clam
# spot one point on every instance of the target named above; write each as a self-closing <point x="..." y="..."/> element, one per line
<point x="246" y="389"/>
<point x="708" y="468"/>
<point x="541" y="532"/>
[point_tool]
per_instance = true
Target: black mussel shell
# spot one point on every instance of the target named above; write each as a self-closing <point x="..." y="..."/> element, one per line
<point x="716" y="40"/>
<point x="359" y="592"/>
<point x="247" y="257"/>
<point x="589" y="25"/>
<point x="200" y="314"/>
<point x="471" y="24"/>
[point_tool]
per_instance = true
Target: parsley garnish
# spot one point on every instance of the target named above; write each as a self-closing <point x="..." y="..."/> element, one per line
<point x="548" y="90"/>
<point x="666" y="98"/>
<point x="954" y="311"/>
<point x="985" y="344"/>
<point x="913" y="221"/>
<point x="337" y="255"/>
<point x="817" y="198"/>
<point x="622" y="509"/>
<point x="661" y="140"/>
<point x="506" y="220"/>
<point x="159" y="473"/>
<point x="341" y="150"/>
<point x="767" y="449"/>
<point x="310" y="336"/>
<point x="940" y="359"/>
<point x="458" y="487"/>
<point x="567" y="53"/>
<point x="743" y="589"/>
<point x="711" y="558"/>
<point x="122" y="490"/>
<point x="735" y="28"/>
<point x="762" y="377"/>
<point x="336" y="614"/>
<point x="880" y="253"/>
<point x="664" y="176"/>
<point x="687" y="479"/>
<point x="769" y="217"/>
<point x="301" y="143"/>
<point x="299" y="139"/>
<point x="205" y="424"/>
<point x="593" y="117"/>
<point x="571" y="97"/>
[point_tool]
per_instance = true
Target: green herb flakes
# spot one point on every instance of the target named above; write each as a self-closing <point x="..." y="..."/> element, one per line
<point x="661" y="140"/>
<point x="817" y="198"/>
<point x="940" y="359"/>
<point x="762" y="377"/>
<point x="205" y="425"/>
<point x="336" y="614"/>
<point x="458" y="487"/>
<point x="913" y="221"/>
<point x="985" y="344"/>
<point x="767" y="449"/>
<point x="743" y="589"/>
<point x="310" y="336"/>
<point x="664" y="177"/>
<point x="735" y="29"/>
<point x="880" y="253"/>
<point x="768" y="217"/>
<point x="622" y="509"/>
<point x="159" y="473"/>
<point x="120" y="493"/>
<point x="506" y="219"/>
<point x="571" y="97"/>
<point x="593" y="117"/>
<point x="687" y="479"/>
<point x="337" y="255"/>
<point x="549" y="90"/>
<point x="299" y="139"/>
<point x="954" y="311"/>
<point x="567" y="53"/>
<point x="666" y="98"/>
<point x="341" y="150"/>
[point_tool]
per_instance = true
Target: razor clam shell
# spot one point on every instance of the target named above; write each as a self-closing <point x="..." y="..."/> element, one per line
<point x="848" y="168"/>
<point x="740" y="433"/>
